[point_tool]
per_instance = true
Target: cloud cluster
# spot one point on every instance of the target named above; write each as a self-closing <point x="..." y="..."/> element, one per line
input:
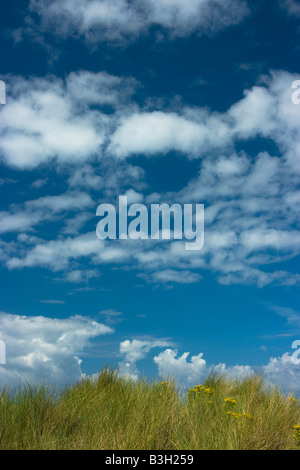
<point x="187" y="373"/>
<point x="41" y="349"/>
<point x="133" y="351"/>
<point x="281" y="372"/>
<point x="265" y="111"/>
<point x="119" y="20"/>
<point x="251" y="201"/>
<point x="48" y="118"/>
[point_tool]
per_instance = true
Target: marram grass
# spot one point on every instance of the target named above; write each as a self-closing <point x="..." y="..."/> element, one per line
<point x="114" y="414"/>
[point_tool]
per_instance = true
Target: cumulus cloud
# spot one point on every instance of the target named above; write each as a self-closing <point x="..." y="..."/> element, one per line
<point x="191" y="372"/>
<point x="265" y="111"/>
<point x="47" y="118"/>
<point x="134" y="351"/>
<point x="119" y="20"/>
<point x="171" y="366"/>
<point x="41" y="349"/>
<point x="282" y="372"/>
<point x="182" y="133"/>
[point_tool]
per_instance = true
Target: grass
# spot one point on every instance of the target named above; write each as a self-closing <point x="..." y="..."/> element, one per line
<point x="114" y="414"/>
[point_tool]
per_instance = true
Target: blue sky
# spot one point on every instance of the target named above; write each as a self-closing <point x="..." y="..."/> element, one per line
<point x="162" y="101"/>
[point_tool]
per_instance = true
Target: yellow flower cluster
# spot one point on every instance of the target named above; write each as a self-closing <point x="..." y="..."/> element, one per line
<point x="297" y="430"/>
<point x="230" y="401"/>
<point x="236" y="415"/>
<point x="239" y="415"/>
<point x="198" y="389"/>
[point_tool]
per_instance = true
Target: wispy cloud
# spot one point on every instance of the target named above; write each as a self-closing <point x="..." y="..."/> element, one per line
<point x="124" y="20"/>
<point x="23" y="217"/>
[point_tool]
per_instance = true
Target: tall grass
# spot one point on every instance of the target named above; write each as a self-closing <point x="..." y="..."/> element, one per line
<point x="114" y="414"/>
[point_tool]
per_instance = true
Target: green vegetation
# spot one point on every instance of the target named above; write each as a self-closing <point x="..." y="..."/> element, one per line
<point x="114" y="414"/>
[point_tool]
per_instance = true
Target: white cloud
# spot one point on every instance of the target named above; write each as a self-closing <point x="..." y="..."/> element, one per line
<point x="171" y="366"/>
<point x="191" y="372"/>
<point x="85" y="176"/>
<point x="47" y="118"/>
<point x="57" y="254"/>
<point x="133" y="197"/>
<point x="134" y="351"/>
<point x="180" y="277"/>
<point x="292" y="7"/>
<point x="266" y="111"/>
<point x="25" y="216"/>
<point x="281" y="372"/>
<point x="37" y="184"/>
<point x="76" y="223"/>
<point x="135" y="134"/>
<point x="111" y="316"/>
<point x="119" y="20"/>
<point x="78" y="276"/>
<point x="43" y="116"/>
<point x="251" y="202"/>
<point x="160" y="132"/>
<point x="41" y="349"/>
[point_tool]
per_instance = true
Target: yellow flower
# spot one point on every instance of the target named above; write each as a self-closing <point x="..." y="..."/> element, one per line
<point x="297" y="430"/>
<point x="198" y="388"/>
<point x="293" y="399"/>
<point x="230" y="401"/>
<point x="209" y="391"/>
<point x="247" y="415"/>
<point x="236" y="415"/>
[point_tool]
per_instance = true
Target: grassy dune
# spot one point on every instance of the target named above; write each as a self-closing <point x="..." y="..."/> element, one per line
<point x="114" y="414"/>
